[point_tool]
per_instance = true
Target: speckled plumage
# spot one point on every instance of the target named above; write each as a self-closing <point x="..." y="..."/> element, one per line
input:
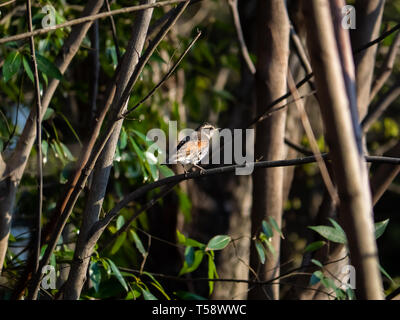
<point x="194" y="148"/>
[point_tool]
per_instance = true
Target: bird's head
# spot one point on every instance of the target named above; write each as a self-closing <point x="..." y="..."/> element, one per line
<point x="207" y="129"/>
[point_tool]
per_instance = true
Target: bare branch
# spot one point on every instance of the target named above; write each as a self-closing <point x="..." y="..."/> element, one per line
<point x="90" y="18"/>
<point x="242" y="43"/>
<point x="380" y="107"/>
<point x="313" y="142"/>
<point x="387" y="67"/>
<point x="38" y="229"/>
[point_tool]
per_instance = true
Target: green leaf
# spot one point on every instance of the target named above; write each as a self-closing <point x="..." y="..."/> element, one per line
<point x="48" y="67"/>
<point x="120" y="222"/>
<point x="198" y="258"/>
<point x="260" y="251"/>
<point x="385" y="273"/>
<point x="138" y="151"/>
<point x="133" y="294"/>
<point x="194" y="243"/>
<point x="118" y="243"/>
<point x="188" y="242"/>
<point x="189" y="256"/>
<point x="156" y="284"/>
<point x="123" y="139"/>
<point x="336" y="226"/>
<point x="330" y="233"/>
<point x="276" y="227"/>
<point x="269" y="245"/>
<point x="218" y="242"/>
<point x="138" y="243"/>
<point x="106" y="266"/>
<point x="95" y="275"/>
<point x="316" y="262"/>
<point x="118" y="274"/>
<point x="316" y="277"/>
<point x="314" y="246"/>
<point x="212" y="273"/>
<point x="328" y="283"/>
<point x="380" y="228"/>
<point x="49" y="112"/>
<point x="185" y="205"/>
<point x="180" y="237"/>
<point x="146" y="140"/>
<point x="11" y="65"/>
<point x="160" y="288"/>
<point x="45" y="148"/>
<point x="70" y="127"/>
<point x="350" y="294"/>
<point x="147" y="295"/>
<point x="267" y="229"/>
<point x="53" y="261"/>
<point x="153" y="171"/>
<point x="67" y="153"/>
<point x="28" y="69"/>
<point x="165" y="171"/>
<point x="184" y="295"/>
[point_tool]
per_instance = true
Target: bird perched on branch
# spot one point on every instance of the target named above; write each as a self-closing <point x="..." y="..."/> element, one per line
<point x="193" y="148"/>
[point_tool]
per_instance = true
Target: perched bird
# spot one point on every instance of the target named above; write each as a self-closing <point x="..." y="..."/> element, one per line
<point x="192" y="149"/>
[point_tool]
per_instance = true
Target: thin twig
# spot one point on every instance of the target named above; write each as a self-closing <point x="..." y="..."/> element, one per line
<point x="95" y="69"/>
<point x="313" y="142"/>
<point x="144" y="208"/>
<point x="165" y="77"/>
<point x="376" y="111"/>
<point x="16" y="113"/>
<point x="298" y="147"/>
<point x="242" y="42"/>
<point x="377" y="40"/>
<point x="301" y="54"/>
<point x="90" y="18"/>
<point x="7" y="3"/>
<point x="387" y="67"/>
<point x="114" y="32"/>
<point x="38" y="140"/>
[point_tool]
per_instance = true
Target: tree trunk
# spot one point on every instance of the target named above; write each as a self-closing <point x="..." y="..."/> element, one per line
<point x="272" y="65"/>
<point x="347" y="162"/>
<point x="103" y="166"/>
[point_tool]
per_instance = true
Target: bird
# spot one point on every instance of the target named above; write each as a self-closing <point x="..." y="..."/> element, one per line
<point x="192" y="149"/>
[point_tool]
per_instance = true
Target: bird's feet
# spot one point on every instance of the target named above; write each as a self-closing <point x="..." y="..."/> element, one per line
<point x="202" y="170"/>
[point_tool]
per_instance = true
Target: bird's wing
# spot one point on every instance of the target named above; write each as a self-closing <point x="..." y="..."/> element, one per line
<point x="182" y="142"/>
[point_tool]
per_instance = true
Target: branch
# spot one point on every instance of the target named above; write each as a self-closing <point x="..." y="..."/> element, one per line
<point x="347" y="162"/>
<point x="165" y="77"/>
<point x="242" y="42"/>
<point x="380" y="106"/>
<point x="313" y="142"/>
<point x="102" y="141"/>
<point x="386" y="68"/>
<point x="114" y="32"/>
<point x="7" y="3"/>
<point x="17" y="162"/>
<point x="89" y="19"/>
<point x="38" y="219"/>
<point x="102" y="224"/>
<point x="377" y="40"/>
<point x="100" y="176"/>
